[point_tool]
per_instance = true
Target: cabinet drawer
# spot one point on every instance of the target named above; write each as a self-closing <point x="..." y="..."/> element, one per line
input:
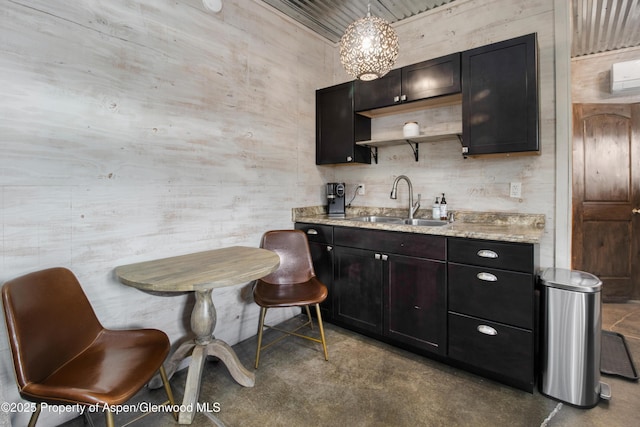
<point x="317" y="233"/>
<point x="502" y="296"/>
<point x="418" y="245"/>
<point x="508" y="352"/>
<point x="487" y="253"/>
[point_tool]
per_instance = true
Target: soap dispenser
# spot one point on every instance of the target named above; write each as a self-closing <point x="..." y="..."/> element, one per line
<point x="443" y="208"/>
<point x="435" y="209"/>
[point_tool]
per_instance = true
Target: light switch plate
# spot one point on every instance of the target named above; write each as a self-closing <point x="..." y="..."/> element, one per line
<point x="515" y="190"/>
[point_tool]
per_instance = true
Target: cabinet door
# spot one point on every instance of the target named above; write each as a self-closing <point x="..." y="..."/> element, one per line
<point x="378" y="93"/>
<point x="502" y="350"/>
<point x="428" y="79"/>
<point x="321" y="254"/>
<point x="338" y="127"/>
<point x="415" y="304"/>
<point x="320" y="244"/>
<point x="357" y="289"/>
<point x="500" y="97"/>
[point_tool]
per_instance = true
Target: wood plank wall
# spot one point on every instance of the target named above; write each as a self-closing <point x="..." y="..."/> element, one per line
<point x="134" y="130"/>
<point x="473" y="183"/>
<point x="591" y="78"/>
<point x="137" y="130"/>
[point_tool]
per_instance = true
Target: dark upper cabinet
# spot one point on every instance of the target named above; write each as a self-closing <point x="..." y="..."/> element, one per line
<point x="338" y="127"/>
<point x="500" y="97"/>
<point x="380" y="92"/>
<point x="427" y="79"/>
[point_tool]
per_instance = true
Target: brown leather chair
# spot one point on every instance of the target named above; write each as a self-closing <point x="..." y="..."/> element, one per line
<point x="293" y="284"/>
<point x="63" y="355"/>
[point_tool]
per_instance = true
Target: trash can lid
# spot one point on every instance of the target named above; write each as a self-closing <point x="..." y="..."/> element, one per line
<point x="572" y="280"/>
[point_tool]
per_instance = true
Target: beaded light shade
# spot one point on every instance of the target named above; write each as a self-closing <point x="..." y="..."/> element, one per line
<point x="368" y="48"/>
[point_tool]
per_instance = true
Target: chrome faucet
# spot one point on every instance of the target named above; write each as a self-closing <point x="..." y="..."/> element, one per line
<point x="394" y="195"/>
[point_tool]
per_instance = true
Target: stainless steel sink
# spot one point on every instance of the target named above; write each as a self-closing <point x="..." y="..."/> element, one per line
<point x="425" y="222"/>
<point x="397" y="220"/>
<point x="387" y="219"/>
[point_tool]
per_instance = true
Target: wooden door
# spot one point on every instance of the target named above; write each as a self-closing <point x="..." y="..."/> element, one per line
<point x="606" y="196"/>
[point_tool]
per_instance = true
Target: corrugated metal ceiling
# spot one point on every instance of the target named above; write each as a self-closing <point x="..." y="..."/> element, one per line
<point x="604" y="25"/>
<point x="330" y="18"/>
<point x="598" y="25"/>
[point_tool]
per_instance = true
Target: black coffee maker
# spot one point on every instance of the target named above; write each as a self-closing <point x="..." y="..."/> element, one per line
<point x="335" y="199"/>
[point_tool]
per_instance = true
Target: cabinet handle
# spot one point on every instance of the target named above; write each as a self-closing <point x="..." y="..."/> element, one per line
<point x="396" y="99"/>
<point x="385" y="257"/>
<point x="635" y="211"/>
<point x="349" y="158"/>
<point x="403" y="97"/>
<point x="417" y="307"/>
<point x="487" y="277"/>
<point x="377" y="256"/>
<point x="487" y="330"/>
<point x="486" y="253"/>
<point x="329" y="248"/>
<point x="312" y="231"/>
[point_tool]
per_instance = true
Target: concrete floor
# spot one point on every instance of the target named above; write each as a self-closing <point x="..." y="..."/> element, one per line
<point x="367" y="383"/>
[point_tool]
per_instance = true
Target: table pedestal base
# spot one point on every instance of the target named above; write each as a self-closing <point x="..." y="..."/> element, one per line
<point x="203" y="322"/>
<point x="225" y="353"/>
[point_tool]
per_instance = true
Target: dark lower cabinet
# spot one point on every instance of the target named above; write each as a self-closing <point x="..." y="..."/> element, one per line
<point x="415" y="309"/>
<point x="320" y="239"/>
<point x="468" y="302"/>
<point x="504" y="351"/>
<point x="357" y="297"/>
<point x="492" y="308"/>
<point x="393" y="285"/>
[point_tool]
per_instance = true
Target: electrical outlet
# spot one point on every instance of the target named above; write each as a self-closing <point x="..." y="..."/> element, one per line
<point x="361" y="190"/>
<point x="515" y="190"/>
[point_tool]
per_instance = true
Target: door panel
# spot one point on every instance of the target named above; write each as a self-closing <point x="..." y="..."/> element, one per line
<point x="606" y="190"/>
<point x="357" y="285"/>
<point x="416" y="309"/>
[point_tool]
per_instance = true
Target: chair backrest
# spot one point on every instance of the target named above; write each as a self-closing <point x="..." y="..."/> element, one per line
<point x="49" y="320"/>
<point x="292" y="247"/>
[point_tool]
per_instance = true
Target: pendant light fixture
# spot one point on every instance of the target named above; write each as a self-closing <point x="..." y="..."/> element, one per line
<point x="369" y="47"/>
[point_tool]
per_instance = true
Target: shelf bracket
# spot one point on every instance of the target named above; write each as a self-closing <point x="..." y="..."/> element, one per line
<point x="374" y="154"/>
<point x="415" y="149"/>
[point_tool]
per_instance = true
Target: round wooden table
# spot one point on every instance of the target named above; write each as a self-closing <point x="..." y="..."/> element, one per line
<point x="201" y="272"/>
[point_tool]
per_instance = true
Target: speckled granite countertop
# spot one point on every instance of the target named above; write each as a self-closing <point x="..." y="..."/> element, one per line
<point x="502" y="226"/>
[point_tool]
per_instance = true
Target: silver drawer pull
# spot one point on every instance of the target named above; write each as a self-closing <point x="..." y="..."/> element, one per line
<point x="487" y="330"/>
<point x="486" y="253"/>
<point x="487" y="277"/>
<point x="312" y="231"/>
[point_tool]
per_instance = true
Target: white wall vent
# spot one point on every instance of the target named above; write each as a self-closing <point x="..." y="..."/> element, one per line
<point x="625" y="76"/>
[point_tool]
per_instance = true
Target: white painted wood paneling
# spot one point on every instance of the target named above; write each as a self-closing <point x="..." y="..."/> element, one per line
<point x="474" y="183"/>
<point x="591" y="78"/>
<point x="138" y="130"/>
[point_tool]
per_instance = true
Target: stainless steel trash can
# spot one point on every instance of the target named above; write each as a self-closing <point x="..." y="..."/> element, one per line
<point x="571" y="333"/>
